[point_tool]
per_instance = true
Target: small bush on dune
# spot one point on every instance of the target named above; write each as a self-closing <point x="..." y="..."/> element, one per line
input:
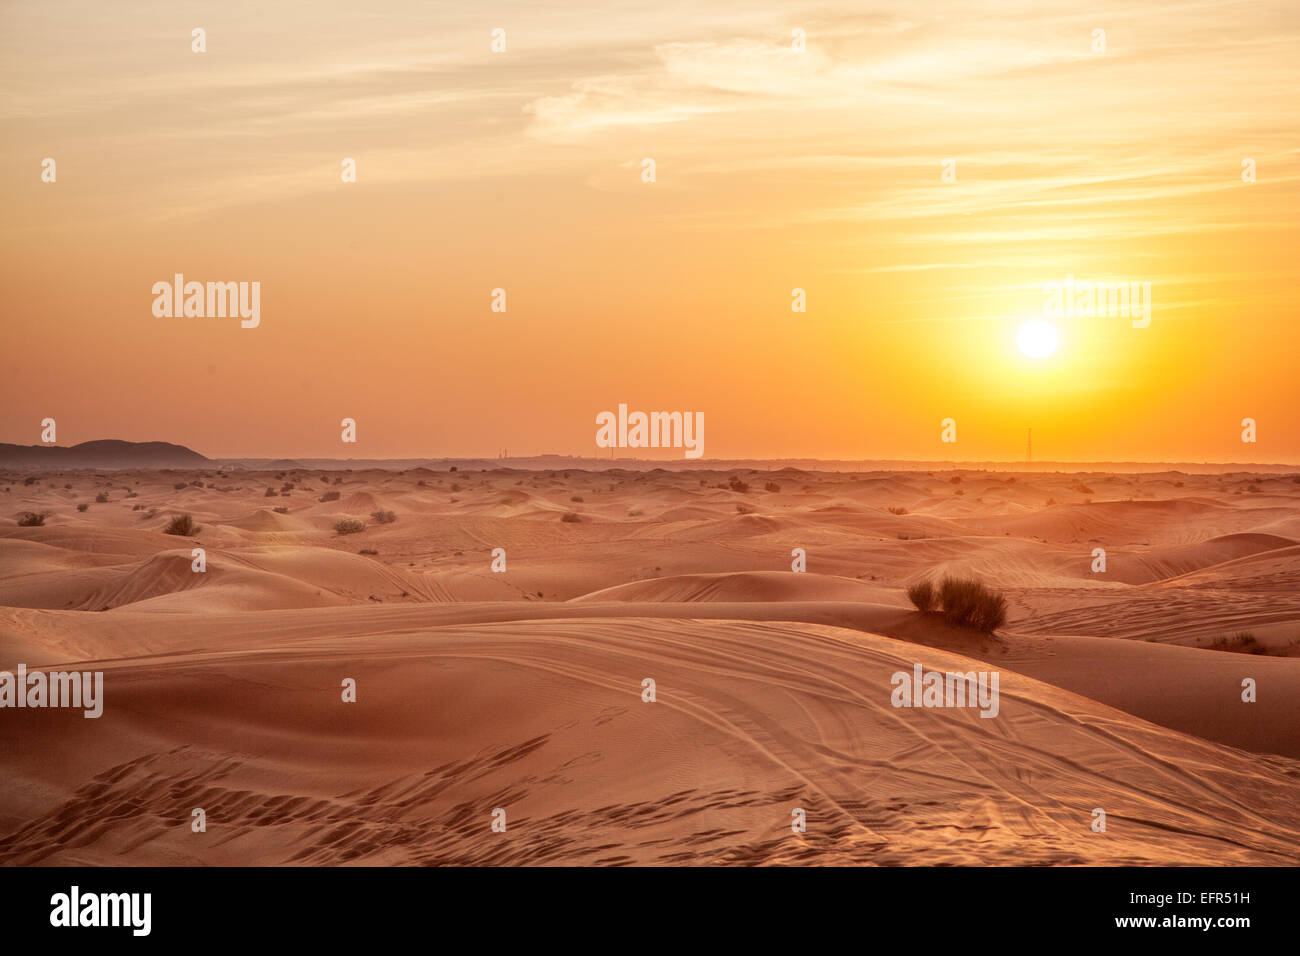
<point x="102" y="497"/>
<point x="922" y="596"/>
<point x="83" y="506"/>
<point x="1243" y="642"/>
<point x="270" y="493"/>
<point x="968" y="603"/>
<point x="182" y="525"/>
<point x="32" y="519"/>
<point x="349" y="526"/>
<point x="330" y="496"/>
<point x="897" y="511"/>
<point x="771" y="486"/>
<point x="383" y="517"/>
<point x="570" y="517"/>
<point x="281" y="510"/>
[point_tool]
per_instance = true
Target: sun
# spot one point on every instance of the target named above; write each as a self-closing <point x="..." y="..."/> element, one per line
<point x="1037" y="338"/>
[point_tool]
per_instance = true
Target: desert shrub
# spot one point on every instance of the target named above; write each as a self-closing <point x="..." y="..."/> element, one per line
<point x="735" y="484"/>
<point x="576" y="498"/>
<point x="898" y="511"/>
<point x="383" y="517"/>
<point x="367" y="551"/>
<point x="743" y="509"/>
<point x="133" y="494"/>
<point x="102" y="497"/>
<point x="32" y="519"/>
<point x="196" y="483"/>
<point x="571" y="517"/>
<point x="922" y="595"/>
<point x="149" y="514"/>
<point x="83" y="506"/>
<point x="270" y="493"/>
<point x="349" y="526"/>
<point x="968" y="603"/>
<point x="455" y="486"/>
<point x="29" y="481"/>
<point x="138" y="508"/>
<point x="959" y="491"/>
<point x="634" y="512"/>
<point x="330" y="496"/>
<point x="287" y="486"/>
<point x="179" y="485"/>
<point x="771" y="486"/>
<point x="955" y="479"/>
<point x="182" y="525"/>
<point x="281" y="510"/>
<point x="1243" y="642"/>
<point x="453" y="468"/>
<point x="338" y="481"/>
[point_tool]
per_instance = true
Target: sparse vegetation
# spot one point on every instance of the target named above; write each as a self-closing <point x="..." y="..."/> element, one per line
<point x="270" y="493"/>
<point x="367" y="551"/>
<point x="576" y="498"/>
<point x="383" y="517"/>
<point x="280" y="510"/>
<point x="1243" y="642"/>
<point x="968" y="603"/>
<point x="330" y="496"/>
<point x="32" y="519"/>
<point x="182" y="525"/>
<point x="771" y="486"/>
<point x="897" y="511"/>
<point x="571" y="517"/>
<point x="102" y="497"/>
<point x="349" y="526"/>
<point x="922" y="596"/>
<point x="735" y="484"/>
<point x="83" y="506"/>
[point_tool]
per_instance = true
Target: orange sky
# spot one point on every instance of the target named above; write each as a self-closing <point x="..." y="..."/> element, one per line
<point x="775" y="170"/>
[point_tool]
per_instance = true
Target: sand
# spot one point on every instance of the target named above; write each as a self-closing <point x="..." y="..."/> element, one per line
<point x="522" y="691"/>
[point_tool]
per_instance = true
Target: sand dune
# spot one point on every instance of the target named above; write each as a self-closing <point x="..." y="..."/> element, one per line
<point x="751" y="722"/>
<point x="521" y="689"/>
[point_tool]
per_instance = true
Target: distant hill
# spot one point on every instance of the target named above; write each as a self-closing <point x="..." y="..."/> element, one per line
<point x="106" y="453"/>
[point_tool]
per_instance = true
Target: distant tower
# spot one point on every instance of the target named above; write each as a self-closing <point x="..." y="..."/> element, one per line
<point x="1029" y="446"/>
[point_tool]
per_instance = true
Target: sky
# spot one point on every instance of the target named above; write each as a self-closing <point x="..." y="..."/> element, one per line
<point x="921" y="171"/>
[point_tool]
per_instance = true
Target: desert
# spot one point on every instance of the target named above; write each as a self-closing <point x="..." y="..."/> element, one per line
<point x="523" y="690"/>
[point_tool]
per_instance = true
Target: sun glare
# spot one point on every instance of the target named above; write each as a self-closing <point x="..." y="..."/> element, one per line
<point x="1037" y="338"/>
